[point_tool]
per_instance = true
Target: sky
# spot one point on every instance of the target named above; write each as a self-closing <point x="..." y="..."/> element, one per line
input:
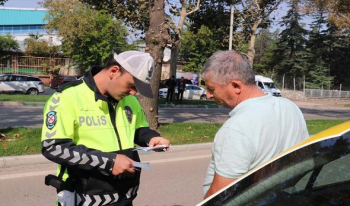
<point x="22" y="3"/>
<point x="34" y="4"/>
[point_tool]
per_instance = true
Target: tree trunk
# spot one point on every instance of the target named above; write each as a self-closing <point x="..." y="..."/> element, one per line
<point x="156" y="39"/>
<point x="177" y="42"/>
<point x="173" y="60"/>
<point x="251" y="48"/>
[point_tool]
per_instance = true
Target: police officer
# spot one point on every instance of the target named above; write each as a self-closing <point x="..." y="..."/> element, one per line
<point x="91" y="127"/>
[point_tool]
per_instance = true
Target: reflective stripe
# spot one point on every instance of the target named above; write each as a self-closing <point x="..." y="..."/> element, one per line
<point x="49" y="135"/>
<point x="132" y="192"/>
<point x="55" y="101"/>
<point x="96" y="200"/>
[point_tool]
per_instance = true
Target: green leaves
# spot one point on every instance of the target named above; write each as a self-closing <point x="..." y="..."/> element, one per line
<point x="2" y="2"/>
<point x="89" y="36"/>
<point x="197" y="48"/>
<point x="8" y="43"/>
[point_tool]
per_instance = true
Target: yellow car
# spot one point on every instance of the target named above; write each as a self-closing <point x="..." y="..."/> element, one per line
<point x="313" y="172"/>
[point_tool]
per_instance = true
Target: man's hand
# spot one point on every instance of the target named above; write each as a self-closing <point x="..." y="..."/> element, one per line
<point x="159" y="141"/>
<point x="122" y="164"/>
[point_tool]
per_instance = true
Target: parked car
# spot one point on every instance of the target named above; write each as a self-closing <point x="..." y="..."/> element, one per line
<point x="17" y="83"/>
<point x="163" y="92"/>
<point x="313" y="172"/>
<point x="191" y="92"/>
<point x="56" y="81"/>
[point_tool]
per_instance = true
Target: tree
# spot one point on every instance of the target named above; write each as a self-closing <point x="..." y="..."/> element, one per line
<point x="88" y="36"/>
<point x="337" y="52"/>
<point x="197" y="48"/>
<point x="249" y="17"/>
<point x="318" y="75"/>
<point x="255" y="15"/>
<point x="215" y="15"/>
<point x="37" y="46"/>
<point x="2" y="2"/>
<point x="291" y="55"/>
<point x="185" y="10"/>
<point x="265" y="46"/>
<point x="338" y="11"/>
<point x="7" y="44"/>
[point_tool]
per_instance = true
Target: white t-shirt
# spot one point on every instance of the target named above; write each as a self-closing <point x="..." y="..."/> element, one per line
<point x="258" y="129"/>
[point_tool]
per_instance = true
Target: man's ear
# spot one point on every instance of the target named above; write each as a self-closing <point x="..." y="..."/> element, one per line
<point x="237" y="86"/>
<point x="114" y="71"/>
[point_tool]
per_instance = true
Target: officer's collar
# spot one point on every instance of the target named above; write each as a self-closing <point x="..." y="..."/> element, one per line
<point x="90" y="82"/>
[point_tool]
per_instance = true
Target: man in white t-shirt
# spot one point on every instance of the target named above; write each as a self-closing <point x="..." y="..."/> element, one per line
<point x="260" y="126"/>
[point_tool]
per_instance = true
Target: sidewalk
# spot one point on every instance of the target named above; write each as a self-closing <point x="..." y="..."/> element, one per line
<point x="12" y="161"/>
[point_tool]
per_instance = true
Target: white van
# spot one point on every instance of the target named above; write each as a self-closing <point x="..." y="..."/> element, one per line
<point x="267" y="85"/>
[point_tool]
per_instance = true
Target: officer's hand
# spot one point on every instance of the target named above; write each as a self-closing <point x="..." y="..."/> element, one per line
<point x="159" y="141"/>
<point x="122" y="164"/>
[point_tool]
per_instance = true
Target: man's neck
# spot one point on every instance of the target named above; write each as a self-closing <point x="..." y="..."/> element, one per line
<point x="250" y="92"/>
<point x="101" y="82"/>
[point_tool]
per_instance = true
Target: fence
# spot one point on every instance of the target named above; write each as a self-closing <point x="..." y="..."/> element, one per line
<point x="320" y="93"/>
<point x="298" y="84"/>
<point x="31" y="65"/>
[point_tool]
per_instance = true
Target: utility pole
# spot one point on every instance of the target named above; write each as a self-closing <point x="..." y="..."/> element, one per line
<point x="231" y="26"/>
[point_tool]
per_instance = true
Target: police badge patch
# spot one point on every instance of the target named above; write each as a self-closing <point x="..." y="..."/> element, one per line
<point x="128" y="113"/>
<point x="51" y="119"/>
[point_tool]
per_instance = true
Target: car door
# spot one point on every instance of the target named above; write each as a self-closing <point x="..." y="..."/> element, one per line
<point x="316" y="173"/>
<point x="2" y="82"/>
<point x="193" y="92"/>
<point x="188" y="93"/>
<point x="21" y="84"/>
<point x="197" y="92"/>
<point x="7" y="83"/>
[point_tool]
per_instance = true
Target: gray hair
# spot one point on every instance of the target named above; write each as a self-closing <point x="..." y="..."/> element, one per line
<point x="226" y="66"/>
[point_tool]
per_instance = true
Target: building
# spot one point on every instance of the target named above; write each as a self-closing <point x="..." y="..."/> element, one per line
<point x="21" y="23"/>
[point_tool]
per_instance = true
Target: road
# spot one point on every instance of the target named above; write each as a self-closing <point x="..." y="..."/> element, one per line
<point x="176" y="176"/>
<point x="31" y="116"/>
<point x="175" y="179"/>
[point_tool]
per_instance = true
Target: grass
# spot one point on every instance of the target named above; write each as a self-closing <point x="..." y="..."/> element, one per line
<point x="25" y="141"/>
<point x="24" y="98"/>
<point x="189" y="133"/>
<point x="315" y="126"/>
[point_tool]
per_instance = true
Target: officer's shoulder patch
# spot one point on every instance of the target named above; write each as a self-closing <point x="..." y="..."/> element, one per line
<point x="69" y="84"/>
<point x="128" y="113"/>
<point x="51" y="119"/>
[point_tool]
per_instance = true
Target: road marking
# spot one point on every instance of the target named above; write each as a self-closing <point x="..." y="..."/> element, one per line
<point x="27" y="174"/>
<point x="179" y="159"/>
<point x="39" y="173"/>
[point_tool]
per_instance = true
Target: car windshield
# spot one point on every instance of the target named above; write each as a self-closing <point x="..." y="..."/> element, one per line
<point x="270" y="85"/>
<point x="318" y="174"/>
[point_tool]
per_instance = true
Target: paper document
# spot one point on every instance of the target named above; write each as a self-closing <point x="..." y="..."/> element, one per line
<point x="143" y="165"/>
<point x="159" y="147"/>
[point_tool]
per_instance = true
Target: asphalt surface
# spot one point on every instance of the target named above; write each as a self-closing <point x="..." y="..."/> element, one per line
<point x="30" y="115"/>
<point x="175" y="179"/>
<point x="184" y="163"/>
